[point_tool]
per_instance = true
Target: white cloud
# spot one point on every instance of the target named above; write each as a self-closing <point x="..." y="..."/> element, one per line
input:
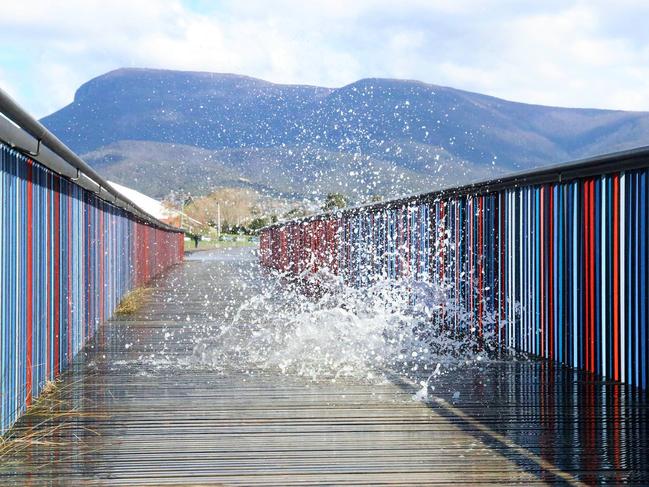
<point x="7" y="85"/>
<point x="574" y="53"/>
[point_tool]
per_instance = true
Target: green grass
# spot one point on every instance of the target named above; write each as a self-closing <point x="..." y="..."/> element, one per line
<point x="218" y="244"/>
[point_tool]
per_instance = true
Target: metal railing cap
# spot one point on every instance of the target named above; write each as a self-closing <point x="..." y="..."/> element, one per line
<point x="44" y="138"/>
<point x="613" y="162"/>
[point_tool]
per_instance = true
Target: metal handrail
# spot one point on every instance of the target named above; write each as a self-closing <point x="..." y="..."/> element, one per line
<point x="613" y="162"/>
<point x="18" y="127"/>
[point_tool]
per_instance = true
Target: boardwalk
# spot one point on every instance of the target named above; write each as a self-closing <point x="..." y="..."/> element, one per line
<point x="138" y="410"/>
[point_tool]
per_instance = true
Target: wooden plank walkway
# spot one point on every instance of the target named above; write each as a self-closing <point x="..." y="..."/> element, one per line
<point x="136" y="411"/>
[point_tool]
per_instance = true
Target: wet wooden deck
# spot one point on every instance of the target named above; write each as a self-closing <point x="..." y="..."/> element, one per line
<point x="136" y="411"/>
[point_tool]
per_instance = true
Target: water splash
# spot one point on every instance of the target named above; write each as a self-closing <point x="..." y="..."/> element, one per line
<point x="337" y="330"/>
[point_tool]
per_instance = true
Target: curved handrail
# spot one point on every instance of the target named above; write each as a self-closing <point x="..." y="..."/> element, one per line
<point x="597" y="165"/>
<point x="55" y="155"/>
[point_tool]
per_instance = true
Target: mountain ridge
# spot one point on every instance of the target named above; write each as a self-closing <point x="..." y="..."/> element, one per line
<point x="424" y="135"/>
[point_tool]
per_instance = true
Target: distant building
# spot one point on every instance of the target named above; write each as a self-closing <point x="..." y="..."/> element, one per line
<point x="158" y="209"/>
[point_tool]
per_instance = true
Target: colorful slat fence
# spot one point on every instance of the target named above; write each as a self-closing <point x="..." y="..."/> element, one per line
<point x="67" y="257"/>
<point x="552" y="262"/>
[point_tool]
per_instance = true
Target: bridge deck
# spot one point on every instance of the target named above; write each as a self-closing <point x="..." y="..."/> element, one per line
<point x="136" y="410"/>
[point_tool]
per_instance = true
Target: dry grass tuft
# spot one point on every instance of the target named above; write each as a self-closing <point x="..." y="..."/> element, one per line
<point x="44" y="422"/>
<point x="133" y="301"/>
<point x="49" y="388"/>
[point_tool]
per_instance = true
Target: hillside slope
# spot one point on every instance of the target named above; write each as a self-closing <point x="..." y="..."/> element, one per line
<point x="188" y="130"/>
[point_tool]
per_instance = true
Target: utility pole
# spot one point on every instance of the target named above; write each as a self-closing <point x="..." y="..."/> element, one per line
<point x="218" y="220"/>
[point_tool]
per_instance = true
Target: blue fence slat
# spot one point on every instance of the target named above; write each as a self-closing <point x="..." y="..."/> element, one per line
<point x="558" y="269"/>
<point x="66" y="258"/>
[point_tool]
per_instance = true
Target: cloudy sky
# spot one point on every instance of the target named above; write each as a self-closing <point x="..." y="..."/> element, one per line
<point x="558" y="52"/>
